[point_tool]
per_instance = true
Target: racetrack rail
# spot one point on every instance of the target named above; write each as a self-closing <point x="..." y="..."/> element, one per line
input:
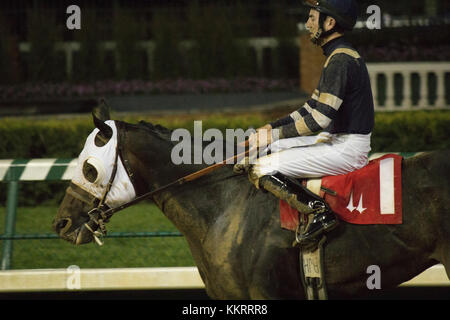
<point x="142" y="279"/>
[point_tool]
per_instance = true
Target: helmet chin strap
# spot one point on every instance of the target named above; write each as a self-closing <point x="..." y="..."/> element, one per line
<point x="320" y="34"/>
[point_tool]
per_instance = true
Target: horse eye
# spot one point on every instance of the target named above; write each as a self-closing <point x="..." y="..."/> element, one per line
<point x="89" y="172"/>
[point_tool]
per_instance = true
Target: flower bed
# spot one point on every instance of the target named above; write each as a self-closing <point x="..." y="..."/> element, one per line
<point x="42" y="91"/>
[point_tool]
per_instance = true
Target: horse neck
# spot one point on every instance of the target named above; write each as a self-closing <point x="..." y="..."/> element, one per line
<point x="196" y="205"/>
<point x="192" y="206"/>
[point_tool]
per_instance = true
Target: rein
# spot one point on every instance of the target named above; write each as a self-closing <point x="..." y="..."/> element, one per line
<point x="99" y="215"/>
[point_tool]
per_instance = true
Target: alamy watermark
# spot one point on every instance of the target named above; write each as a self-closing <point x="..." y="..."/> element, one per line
<point x="374" y="280"/>
<point x="374" y="20"/>
<point x="212" y="147"/>
<point x="73" y="281"/>
<point x="73" y="22"/>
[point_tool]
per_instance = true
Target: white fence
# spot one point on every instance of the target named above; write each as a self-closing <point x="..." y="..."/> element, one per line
<point x="387" y="70"/>
<point x="406" y="70"/>
<point x="69" y="47"/>
<point x="144" y="278"/>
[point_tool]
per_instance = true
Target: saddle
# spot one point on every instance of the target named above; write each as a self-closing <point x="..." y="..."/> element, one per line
<point x="376" y="188"/>
<point x="370" y="195"/>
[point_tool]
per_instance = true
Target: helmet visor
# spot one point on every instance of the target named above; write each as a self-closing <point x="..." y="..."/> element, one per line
<point x="311" y="3"/>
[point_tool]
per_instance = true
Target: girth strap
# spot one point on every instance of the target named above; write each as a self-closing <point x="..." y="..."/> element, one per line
<point x="312" y="272"/>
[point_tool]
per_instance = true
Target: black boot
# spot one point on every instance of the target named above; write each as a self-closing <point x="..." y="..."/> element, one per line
<point x="305" y="201"/>
<point x="323" y="221"/>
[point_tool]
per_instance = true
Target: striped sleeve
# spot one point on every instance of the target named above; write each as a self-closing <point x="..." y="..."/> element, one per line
<point x="281" y="122"/>
<point x="294" y="116"/>
<point x="318" y="112"/>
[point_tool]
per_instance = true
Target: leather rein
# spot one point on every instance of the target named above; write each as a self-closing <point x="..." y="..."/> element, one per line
<point x="101" y="214"/>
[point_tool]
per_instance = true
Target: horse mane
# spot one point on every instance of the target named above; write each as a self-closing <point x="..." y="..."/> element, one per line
<point x="163" y="132"/>
<point x="158" y="130"/>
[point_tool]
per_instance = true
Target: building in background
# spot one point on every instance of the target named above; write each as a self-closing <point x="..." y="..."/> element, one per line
<point x="158" y="40"/>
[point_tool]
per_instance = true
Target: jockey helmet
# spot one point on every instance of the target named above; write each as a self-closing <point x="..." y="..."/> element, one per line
<point x="345" y="12"/>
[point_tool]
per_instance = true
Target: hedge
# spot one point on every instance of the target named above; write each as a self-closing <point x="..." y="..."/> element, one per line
<point x="64" y="137"/>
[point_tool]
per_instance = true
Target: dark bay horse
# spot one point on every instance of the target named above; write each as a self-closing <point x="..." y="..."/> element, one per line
<point x="233" y="229"/>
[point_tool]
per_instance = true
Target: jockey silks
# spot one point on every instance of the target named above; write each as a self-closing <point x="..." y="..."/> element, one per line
<point x="341" y="106"/>
<point x="342" y="103"/>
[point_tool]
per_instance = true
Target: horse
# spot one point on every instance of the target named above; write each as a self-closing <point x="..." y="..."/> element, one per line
<point x="233" y="229"/>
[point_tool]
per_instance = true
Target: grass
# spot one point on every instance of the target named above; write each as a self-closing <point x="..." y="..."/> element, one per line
<point x="115" y="253"/>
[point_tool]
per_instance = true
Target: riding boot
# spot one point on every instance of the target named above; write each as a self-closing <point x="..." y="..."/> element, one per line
<point x="305" y="201"/>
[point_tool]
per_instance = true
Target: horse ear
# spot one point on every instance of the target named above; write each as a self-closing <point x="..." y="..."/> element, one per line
<point x="100" y="114"/>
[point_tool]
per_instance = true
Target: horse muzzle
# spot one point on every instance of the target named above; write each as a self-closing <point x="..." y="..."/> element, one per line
<point x="80" y="235"/>
<point x="63" y="228"/>
<point x="91" y="230"/>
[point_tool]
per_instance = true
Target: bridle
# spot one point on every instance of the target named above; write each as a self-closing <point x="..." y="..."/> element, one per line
<point x="100" y="215"/>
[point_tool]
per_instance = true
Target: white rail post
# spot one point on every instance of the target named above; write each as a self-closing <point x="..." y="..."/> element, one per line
<point x="373" y="85"/>
<point x="259" y="50"/>
<point x="423" y="99"/>
<point x="149" y="47"/>
<point x="440" y="90"/>
<point x="389" y="102"/>
<point x="407" y="99"/>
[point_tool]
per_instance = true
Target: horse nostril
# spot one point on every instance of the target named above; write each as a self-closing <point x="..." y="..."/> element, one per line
<point x="61" y="224"/>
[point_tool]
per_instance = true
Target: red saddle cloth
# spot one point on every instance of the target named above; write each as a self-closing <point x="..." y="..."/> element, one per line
<point x="370" y="195"/>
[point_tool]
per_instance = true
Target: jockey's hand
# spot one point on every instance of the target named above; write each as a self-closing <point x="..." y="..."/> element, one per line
<point x="262" y="137"/>
<point x="266" y="127"/>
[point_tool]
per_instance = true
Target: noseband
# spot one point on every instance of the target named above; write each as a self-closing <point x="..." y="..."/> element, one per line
<point x="96" y="217"/>
<point x="99" y="215"/>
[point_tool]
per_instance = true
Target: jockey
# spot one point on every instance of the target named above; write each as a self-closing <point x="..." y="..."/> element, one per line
<point x="341" y="108"/>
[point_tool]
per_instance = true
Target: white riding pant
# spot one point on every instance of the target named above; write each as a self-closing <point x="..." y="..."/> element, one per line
<point x="314" y="156"/>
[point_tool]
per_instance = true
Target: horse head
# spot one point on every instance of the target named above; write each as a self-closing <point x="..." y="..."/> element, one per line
<point x="119" y="162"/>
<point x="100" y="182"/>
